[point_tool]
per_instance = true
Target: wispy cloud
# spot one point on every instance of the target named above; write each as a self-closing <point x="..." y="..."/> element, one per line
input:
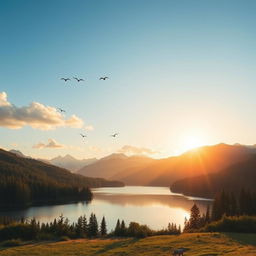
<point x="35" y="115"/>
<point x="89" y="128"/>
<point x="132" y="150"/>
<point x="51" y="144"/>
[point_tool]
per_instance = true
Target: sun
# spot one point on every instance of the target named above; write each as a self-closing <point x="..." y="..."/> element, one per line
<point x="191" y="142"/>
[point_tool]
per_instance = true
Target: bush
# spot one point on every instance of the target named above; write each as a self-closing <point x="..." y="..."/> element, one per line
<point x="137" y="230"/>
<point x="17" y="231"/>
<point x="45" y="237"/>
<point x="64" y="238"/>
<point x="11" y="243"/>
<point x="242" y="224"/>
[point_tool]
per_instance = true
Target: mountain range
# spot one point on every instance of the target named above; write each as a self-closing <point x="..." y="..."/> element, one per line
<point x="71" y="163"/>
<point x="190" y="173"/>
<point x="67" y="162"/>
<point x="138" y="170"/>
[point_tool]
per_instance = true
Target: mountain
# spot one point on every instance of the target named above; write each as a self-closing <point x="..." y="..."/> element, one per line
<point x="114" y="165"/>
<point x="71" y="163"/>
<point x="163" y="172"/>
<point x="233" y="178"/>
<point x="25" y="181"/>
<point x="18" y="153"/>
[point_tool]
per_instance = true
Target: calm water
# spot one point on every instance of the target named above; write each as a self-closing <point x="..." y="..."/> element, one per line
<point x="154" y="206"/>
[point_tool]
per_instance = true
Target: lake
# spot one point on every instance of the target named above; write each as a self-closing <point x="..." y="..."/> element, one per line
<point x="154" y="206"/>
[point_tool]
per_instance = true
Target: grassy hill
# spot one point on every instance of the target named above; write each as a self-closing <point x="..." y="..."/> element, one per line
<point x="27" y="181"/>
<point x="201" y="244"/>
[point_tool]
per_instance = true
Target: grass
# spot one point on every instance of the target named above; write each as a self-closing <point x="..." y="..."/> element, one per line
<point x="201" y="244"/>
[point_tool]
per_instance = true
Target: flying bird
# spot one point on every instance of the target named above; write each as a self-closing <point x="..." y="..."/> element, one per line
<point x="104" y="78"/>
<point x="61" y="110"/>
<point x="114" y="135"/>
<point x="65" y="79"/>
<point x="78" y="79"/>
<point x="83" y="135"/>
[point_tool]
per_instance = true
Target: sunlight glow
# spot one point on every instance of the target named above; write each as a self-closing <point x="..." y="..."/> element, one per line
<point x="192" y="142"/>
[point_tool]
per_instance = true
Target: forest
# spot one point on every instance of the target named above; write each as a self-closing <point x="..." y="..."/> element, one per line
<point x="25" y="182"/>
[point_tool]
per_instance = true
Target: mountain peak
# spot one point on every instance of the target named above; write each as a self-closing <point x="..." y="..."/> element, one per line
<point x="17" y="153"/>
<point x="115" y="156"/>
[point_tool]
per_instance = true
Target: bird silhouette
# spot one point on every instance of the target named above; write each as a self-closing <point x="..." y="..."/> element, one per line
<point x="65" y="79"/>
<point x="83" y="135"/>
<point x="61" y="110"/>
<point x="114" y="135"/>
<point x="104" y="78"/>
<point x="78" y="79"/>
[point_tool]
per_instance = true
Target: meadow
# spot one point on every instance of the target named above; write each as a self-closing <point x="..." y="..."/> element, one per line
<point x="198" y="244"/>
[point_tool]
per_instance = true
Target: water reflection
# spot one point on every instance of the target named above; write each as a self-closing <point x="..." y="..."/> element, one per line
<point x="154" y="206"/>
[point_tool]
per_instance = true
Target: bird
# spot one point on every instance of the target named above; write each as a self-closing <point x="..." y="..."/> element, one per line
<point x="65" y="79"/>
<point x="83" y="135"/>
<point x="78" y="79"/>
<point x="104" y="78"/>
<point x="114" y="135"/>
<point x="61" y="110"/>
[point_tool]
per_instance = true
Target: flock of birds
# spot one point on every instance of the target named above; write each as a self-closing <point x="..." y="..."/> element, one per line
<point x="82" y="80"/>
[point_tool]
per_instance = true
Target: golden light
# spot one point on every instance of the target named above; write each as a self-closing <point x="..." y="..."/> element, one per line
<point x="192" y="141"/>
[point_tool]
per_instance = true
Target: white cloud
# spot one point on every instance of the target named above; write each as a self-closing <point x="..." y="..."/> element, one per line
<point x="51" y="144"/>
<point x="132" y="150"/>
<point x="36" y="115"/>
<point x="89" y="128"/>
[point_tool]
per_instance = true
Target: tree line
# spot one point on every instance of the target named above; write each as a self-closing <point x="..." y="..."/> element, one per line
<point x="61" y="228"/>
<point x="229" y="213"/>
<point x="19" y="193"/>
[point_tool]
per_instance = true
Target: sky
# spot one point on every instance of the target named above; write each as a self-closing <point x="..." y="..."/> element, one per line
<point x="181" y="74"/>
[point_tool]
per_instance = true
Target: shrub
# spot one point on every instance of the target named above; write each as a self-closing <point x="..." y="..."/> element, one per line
<point x="64" y="238"/>
<point x="243" y="224"/>
<point x="11" y="243"/>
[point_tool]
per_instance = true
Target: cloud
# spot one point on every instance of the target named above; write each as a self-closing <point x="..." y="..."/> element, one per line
<point x="89" y="128"/>
<point x="35" y="115"/>
<point x="95" y="149"/>
<point x="51" y="144"/>
<point x="132" y="150"/>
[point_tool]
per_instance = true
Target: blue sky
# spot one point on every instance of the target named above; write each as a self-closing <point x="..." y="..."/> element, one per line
<point x="182" y="73"/>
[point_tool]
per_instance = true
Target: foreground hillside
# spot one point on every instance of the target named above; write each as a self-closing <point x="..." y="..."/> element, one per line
<point x="203" y="244"/>
<point x="234" y="178"/>
<point x="25" y="181"/>
<point x="163" y="172"/>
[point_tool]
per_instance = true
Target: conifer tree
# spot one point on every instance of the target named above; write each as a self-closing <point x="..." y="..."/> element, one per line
<point x="194" y="220"/>
<point x="103" y="227"/>
<point x="122" y="228"/>
<point x="93" y="226"/>
<point x="207" y="215"/>
<point x="117" y="228"/>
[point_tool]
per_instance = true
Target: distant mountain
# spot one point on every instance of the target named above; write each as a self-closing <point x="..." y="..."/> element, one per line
<point x="114" y="165"/>
<point x="233" y="178"/>
<point x="71" y="163"/>
<point x="18" y="153"/>
<point x="163" y="172"/>
<point x="26" y="181"/>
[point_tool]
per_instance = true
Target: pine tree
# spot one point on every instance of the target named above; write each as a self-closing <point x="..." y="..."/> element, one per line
<point x="122" y="228"/>
<point x="117" y="228"/>
<point x="93" y="226"/>
<point x="207" y="215"/>
<point x="194" y="220"/>
<point x="84" y="225"/>
<point x="103" y="227"/>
